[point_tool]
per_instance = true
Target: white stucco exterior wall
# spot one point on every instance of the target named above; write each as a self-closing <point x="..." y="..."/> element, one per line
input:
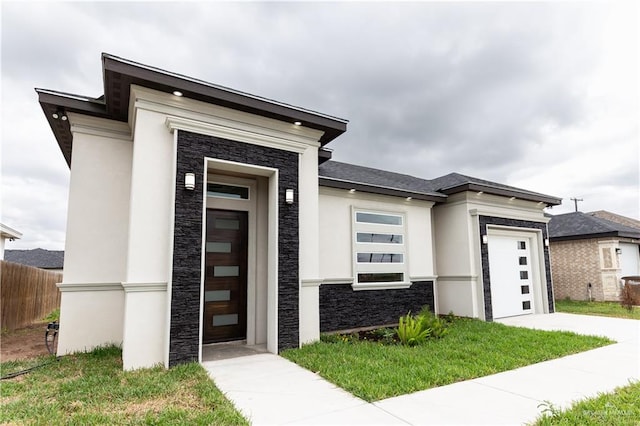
<point x="309" y="312"/>
<point x="97" y="229"/>
<point x="336" y="229"/>
<point x="149" y="260"/>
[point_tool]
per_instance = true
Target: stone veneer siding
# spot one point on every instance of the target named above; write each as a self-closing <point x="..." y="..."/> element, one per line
<point x="192" y="148"/>
<point x="484" y="253"/>
<point x="342" y="308"/>
<point x="575" y="264"/>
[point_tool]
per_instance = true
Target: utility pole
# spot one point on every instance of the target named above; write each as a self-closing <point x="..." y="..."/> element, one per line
<point x="575" y="202"/>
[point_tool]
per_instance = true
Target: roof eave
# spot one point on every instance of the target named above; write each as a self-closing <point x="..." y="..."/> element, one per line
<point x="380" y="190"/>
<point x="52" y="101"/>
<point x="614" y="234"/>
<point x="523" y="195"/>
<point x="114" y="68"/>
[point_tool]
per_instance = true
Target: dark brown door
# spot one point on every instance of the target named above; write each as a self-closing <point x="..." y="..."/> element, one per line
<point x="225" y="282"/>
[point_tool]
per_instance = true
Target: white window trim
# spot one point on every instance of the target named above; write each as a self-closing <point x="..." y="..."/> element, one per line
<point x="379" y="267"/>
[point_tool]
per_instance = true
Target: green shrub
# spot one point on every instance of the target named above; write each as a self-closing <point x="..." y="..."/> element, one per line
<point x="438" y="326"/>
<point x="53" y="316"/>
<point x="410" y="330"/>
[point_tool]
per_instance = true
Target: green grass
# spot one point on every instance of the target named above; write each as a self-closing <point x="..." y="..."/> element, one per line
<point x="92" y="389"/>
<point x="620" y="407"/>
<point x="607" y="309"/>
<point x="472" y="349"/>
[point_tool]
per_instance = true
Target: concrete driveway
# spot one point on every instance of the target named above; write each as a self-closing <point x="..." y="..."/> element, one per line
<point x="270" y="390"/>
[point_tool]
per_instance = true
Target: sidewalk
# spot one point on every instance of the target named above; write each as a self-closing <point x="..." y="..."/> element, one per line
<point x="270" y="390"/>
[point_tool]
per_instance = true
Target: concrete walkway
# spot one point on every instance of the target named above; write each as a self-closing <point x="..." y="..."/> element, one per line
<point x="270" y="390"/>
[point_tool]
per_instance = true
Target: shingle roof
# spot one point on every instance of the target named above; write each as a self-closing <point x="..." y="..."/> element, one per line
<point x="39" y="258"/>
<point x="623" y="220"/>
<point x="455" y="182"/>
<point x="332" y="173"/>
<point x="578" y="225"/>
<point x="341" y="175"/>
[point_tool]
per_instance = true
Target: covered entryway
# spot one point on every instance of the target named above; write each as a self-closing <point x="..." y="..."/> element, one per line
<point x="225" y="282"/>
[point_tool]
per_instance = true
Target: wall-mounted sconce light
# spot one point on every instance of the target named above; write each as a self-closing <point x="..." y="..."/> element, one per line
<point x="288" y="196"/>
<point x="189" y="181"/>
<point x="59" y="114"/>
<point x="352" y="190"/>
<point x="297" y="123"/>
<point x="485" y="239"/>
<point x="177" y="93"/>
<point x="618" y="250"/>
<point x="408" y="198"/>
<point x="546" y="242"/>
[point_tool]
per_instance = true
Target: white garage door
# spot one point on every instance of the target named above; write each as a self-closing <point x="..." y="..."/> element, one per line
<point x="510" y="274"/>
<point x="629" y="259"/>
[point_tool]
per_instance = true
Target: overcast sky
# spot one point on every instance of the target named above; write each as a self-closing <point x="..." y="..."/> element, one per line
<point x="543" y="96"/>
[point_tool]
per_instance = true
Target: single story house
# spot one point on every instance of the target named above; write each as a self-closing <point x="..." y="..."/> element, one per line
<point x="7" y="233"/>
<point x="591" y="252"/>
<point x="52" y="260"/>
<point x="200" y="214"/>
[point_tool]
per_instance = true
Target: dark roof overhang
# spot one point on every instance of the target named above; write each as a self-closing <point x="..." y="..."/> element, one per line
<point x="611" y="234"/>
<point x="505" y="192"/>
<point x="119" y="74"/>
<point x="381" y="190"/>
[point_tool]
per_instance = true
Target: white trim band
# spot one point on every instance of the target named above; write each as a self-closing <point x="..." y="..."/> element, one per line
<point x="144" y="287"/>
<point x="70" y="287"/>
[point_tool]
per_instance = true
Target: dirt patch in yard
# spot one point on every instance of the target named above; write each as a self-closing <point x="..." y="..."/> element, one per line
<point x="24" y="343"/>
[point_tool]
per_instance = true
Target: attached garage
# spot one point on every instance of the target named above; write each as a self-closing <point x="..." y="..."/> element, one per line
<point x="515" y="271"/>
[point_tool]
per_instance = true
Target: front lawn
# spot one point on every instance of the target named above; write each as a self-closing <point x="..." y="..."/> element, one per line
<point x="92" y="389"/>
<point x="472" y="348"/>
<point x="607" y="309"/>
<point x="620" y="407"/>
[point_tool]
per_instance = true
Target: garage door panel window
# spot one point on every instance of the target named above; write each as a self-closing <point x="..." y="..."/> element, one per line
<point x="379" y="250"/>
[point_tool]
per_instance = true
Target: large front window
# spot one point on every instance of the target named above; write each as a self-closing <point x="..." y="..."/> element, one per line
<point x="379" y="249"/>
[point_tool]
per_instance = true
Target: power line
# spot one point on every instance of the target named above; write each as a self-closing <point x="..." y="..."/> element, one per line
<point x="575" y="202"/>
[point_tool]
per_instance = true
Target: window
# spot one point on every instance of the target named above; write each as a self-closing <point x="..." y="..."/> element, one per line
<point x="380" y="257"/>
<point x="379" y="250"/>
<point x="382" y="219"/>
<point x="368" y="237"/>
<point x="223" y="190"/>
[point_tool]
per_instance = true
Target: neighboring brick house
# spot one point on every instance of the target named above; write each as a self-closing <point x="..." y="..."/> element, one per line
<point x="590" y="252"/>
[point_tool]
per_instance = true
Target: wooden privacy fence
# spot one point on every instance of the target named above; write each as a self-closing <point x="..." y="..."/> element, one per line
<point x="27" y="294"/>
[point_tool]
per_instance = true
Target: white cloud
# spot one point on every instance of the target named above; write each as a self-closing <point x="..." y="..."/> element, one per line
<point x="538" y="95"/>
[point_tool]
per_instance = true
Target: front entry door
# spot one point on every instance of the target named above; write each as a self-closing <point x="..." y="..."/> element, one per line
<point x="225" y="282"/>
